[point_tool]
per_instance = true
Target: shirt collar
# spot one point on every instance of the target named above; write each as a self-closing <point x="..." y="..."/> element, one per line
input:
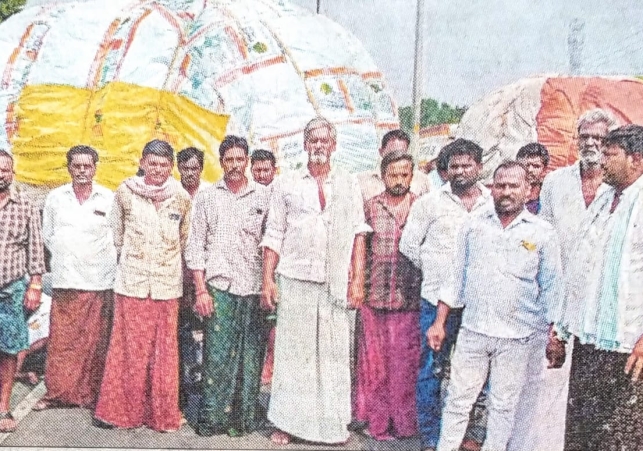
<point x="485" y="193"/>
<point x="69" y="189"/>
<point x="634" y="187"/>
<point x="250" y="187"/>
<point x="524" y="216"/>
<point x="14" y="194"/>
<point x="305" y="173"/>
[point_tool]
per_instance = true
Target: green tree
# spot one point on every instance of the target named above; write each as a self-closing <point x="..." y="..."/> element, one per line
<point x="10" y="7"/>
<point x="431" y="113"/>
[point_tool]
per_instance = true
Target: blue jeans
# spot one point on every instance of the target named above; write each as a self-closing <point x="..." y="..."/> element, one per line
<point x="434" y="369"/>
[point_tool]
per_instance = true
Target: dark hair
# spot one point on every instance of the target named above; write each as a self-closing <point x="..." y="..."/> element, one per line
<point x="510" y="164"/>
<point x="231" y="141"/>
<point x="395" y="134"/>
<point x="263" y="155"/>
<point x="628" y="137"/>
<point x="442" y="161"/>
<point x="463" y="147"/>
<point x="532" y="150"/>
<point x="159" y="148"/>
<point x="188" y="153"/>
<point x="82" y="150"/>
<point x="394" y="157"/>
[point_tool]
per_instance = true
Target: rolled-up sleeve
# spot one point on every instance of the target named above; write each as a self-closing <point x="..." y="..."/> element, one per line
<point x="414" y="232"/>
<point x="276" y="222"/>
<point x="550" y="280"/>
<point x="195" y="251"/>
<point x="35" y="247"/>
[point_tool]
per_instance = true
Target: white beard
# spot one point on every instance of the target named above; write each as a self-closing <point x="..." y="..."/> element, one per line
<point x="591" y="158"/>
<point x="318" y="159"/>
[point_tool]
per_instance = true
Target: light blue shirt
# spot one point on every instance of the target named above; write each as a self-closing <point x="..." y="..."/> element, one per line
<point x="508" y="279"/>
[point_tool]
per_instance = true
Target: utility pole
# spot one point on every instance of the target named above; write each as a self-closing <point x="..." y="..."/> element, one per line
<point x="417" y="79"/>
<point x="318" y="6"/>
<point x="575" y="41"/>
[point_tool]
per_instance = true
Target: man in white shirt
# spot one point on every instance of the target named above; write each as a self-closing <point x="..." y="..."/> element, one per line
<point x="565" y="197"/>
<point x="604" y="306"/>
<point x="507" y="276"/>
<point x="371" y="183"/>
<point x="83" y="265"/>
<point x="428" y="240"/>
<point x="315" y="242"/>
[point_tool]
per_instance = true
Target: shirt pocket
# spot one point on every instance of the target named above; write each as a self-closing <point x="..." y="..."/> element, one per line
<point x="254" y="224"/>
<point x="522" y="258"/>
<point x="170" y="222"/>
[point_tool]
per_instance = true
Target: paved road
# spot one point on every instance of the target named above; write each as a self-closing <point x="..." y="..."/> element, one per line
<point x="73" y="428"/>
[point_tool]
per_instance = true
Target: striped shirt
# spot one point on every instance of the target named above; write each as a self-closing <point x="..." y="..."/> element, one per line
<point x="21" y="245"/>
<point x="393" y="282"/>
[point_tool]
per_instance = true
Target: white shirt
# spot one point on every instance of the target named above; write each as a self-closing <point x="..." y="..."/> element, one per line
<point x="79" y="237"/>
<point x="586" y="277"/>
<point x="428" y="238"/>
<point x="562" y="204"/>
<point x="371" y="183"/>
<point x="297" y="228"/>
<point x="508" y="279"/>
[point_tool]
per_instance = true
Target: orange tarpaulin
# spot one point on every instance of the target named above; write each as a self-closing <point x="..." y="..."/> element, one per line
<point x="563" y="100"/>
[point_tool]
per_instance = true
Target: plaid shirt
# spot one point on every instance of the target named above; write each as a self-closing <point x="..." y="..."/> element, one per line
<point x="21" y="245"/>
<point x="393" y="282"/>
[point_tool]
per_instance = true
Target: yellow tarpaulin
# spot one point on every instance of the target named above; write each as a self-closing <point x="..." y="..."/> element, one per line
<point x="117" y="121"/>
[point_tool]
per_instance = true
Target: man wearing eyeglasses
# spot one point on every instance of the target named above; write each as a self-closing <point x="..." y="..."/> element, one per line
<point x="567" y="194"/>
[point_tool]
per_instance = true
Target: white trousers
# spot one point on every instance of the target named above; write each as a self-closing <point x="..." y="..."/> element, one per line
<point x="540" y="418"/>
<point x="506" y="362"/>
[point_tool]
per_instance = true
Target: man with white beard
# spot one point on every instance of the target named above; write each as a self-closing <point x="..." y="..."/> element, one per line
<point x="566" y="195"/>
<point x="315" y="244"/>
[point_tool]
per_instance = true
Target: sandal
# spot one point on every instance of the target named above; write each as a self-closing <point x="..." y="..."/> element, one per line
<point x="7" y="417"/>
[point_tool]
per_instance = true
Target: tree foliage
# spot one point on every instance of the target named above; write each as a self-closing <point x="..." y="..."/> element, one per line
<point x="10" y="7"/>
<point x="432" y="113"/>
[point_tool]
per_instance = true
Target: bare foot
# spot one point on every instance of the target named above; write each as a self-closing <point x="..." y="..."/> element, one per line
<point x="7" y="422"/>
<point x="470" y="445"/>
<point x="280" y="438"/>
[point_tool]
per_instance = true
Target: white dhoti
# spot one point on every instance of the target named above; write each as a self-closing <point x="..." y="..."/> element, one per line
<point x="540" y="418"/>
<point x="311" y="387"/>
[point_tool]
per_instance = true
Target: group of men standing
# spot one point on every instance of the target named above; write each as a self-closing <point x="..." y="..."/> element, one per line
<point x="465" y="293"/>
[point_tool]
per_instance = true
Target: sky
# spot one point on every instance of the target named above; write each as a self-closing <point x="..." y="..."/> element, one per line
<point x="472" y="47"/>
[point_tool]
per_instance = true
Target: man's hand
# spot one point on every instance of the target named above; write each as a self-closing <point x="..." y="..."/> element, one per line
<point x="555" y="352"/>
<point x="355" y="293"/>
<point x="32" y="298"/>
<point x="269" y="295"/>
<point x="435" y="336"/>
<point x="635" y="360"/>
<point x="204" y="305"/>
